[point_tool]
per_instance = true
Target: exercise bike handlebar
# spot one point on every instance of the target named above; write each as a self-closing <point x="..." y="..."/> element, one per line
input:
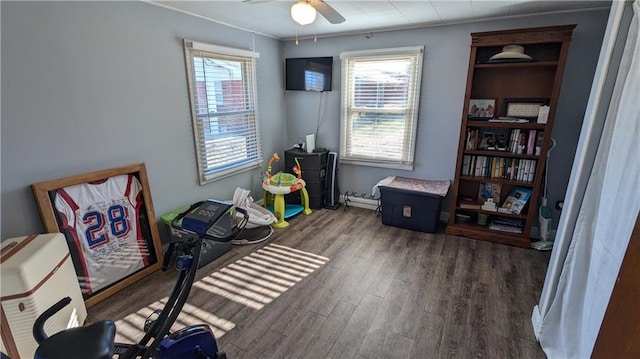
<point x="175" y="223"/>
<point x="38" y="325"/>
<point x="243" y="222"/>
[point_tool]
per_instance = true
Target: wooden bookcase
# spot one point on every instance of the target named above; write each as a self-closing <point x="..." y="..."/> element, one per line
<point x="507" y="82"/>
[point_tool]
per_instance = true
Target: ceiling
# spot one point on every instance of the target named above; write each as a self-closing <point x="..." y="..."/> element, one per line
<point x="272" y="17"/>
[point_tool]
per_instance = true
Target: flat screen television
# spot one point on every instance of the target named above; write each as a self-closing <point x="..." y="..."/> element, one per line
<point x="308" y="73"/>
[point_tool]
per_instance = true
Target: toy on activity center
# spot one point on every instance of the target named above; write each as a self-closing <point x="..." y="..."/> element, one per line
<point x="280" y="184"/>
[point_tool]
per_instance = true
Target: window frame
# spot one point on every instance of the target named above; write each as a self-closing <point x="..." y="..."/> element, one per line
<point x="347" y="106"/>
<point x="205" y="174"/>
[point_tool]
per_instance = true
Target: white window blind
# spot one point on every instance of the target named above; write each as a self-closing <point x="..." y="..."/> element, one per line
<point x="222" y="89"/>
<point x="380" y="96"/>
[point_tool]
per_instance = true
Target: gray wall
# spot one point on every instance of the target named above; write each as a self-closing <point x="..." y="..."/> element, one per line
<point x="93" y="85"/>
<point x="443" y="88"/>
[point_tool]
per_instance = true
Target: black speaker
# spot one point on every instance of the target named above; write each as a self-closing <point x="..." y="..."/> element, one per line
<point x="332" y="192"/>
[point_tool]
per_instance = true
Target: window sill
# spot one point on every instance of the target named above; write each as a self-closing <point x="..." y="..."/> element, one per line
<point x="381" y="164"/>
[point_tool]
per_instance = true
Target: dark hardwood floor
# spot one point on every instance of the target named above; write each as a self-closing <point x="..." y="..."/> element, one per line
<point x="342" y="284"/>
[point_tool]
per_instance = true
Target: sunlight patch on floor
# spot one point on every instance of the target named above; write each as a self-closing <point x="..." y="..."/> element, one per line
<point x="130" y="328"/>
<point x="267" y="267"/>
<point x="250" y="269"/>
<point x="254" y="281"/>
<point x="240" y="274"/>
<point x="262" y="276"/>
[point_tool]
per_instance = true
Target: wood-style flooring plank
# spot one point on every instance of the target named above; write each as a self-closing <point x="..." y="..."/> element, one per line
<point x="341" y="284"/>
<point x="295" y="344"/>
<point x="397" y="252"/>
<point x="266" y="345"/>
<point x="429" y="336"/>
<point x="379" y="331"/>
<point x="358" y="277"/>
<point x="456" y="331"/>
<point x="334" y="324"/>
<point x="395" y="346"/>
<point x="356" y="329"/>
<point x="420" y="274"/>
<point x="440" y="287"/>
<point x="234" y="352"/>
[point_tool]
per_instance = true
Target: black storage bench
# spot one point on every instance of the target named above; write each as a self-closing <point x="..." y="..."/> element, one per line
<point x="413" y="203"/>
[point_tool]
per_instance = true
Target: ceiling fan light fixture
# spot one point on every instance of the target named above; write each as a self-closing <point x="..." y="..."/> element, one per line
<point x="303" y="13"/>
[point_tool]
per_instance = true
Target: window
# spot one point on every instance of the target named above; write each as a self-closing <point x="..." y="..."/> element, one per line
<point x="380" y="95"/>
<point x="222" y="89"/>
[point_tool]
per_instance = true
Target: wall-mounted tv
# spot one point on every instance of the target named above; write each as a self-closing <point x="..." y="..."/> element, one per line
<point x="308" y="73"/>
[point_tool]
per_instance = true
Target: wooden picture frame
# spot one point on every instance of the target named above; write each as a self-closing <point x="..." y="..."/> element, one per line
<point x="481" y="109"/>
<point x="114" y="240"/>
<point x="525" y="108"/>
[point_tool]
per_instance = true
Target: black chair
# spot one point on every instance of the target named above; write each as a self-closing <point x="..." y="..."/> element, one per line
<point x="94" y="341"/>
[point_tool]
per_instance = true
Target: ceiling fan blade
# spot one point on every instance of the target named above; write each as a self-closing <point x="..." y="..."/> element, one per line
<point x="327" y="11"/>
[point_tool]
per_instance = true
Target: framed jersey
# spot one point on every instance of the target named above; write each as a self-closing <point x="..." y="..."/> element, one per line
<point x="108" y="221"/>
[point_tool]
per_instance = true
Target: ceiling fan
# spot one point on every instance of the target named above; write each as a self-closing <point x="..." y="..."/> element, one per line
<point x="304" y="11"/>
<point x="323" y="8"/>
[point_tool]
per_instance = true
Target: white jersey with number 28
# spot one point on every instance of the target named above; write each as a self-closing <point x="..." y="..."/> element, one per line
<point x="102" y="217"/>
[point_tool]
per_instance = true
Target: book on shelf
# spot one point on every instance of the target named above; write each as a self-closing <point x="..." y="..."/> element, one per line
<point x="516" y="200"/>
<point x="522" y="142"/>
<point x="502" y="139"/>
<point x="514" y="139"/>
<point x="532" y="170"/>
<point x="539" y="142"/>
<point x="466" y="160"/>
<point x="489" y="190"/>
<point x="531" y="142"/>
<point x="506" y="221"/>
<point x="524" y="172"/>
<point x="509" y="119"/>
<point x="486" y="139"/>
<point x="470" y="141"/>
<point x="502" y="228"/>
<point x="469" y="203"/>
<point x="479" y="165"/>
<point x="511" y="225"/>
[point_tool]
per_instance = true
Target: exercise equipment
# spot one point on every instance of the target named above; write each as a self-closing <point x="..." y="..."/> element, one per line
<point x="207" y="220"/>
<point x="284" y="183"/>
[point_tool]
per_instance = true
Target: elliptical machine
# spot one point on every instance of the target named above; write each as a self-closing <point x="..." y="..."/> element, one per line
<point x="210" y="220"/>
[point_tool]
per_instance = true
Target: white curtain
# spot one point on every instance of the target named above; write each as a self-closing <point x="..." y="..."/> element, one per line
<point x="594" y="232"/>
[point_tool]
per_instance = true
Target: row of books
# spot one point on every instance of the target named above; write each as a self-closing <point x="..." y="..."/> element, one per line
<point x="520" y="141"/>
<point x="518" y="169"/>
